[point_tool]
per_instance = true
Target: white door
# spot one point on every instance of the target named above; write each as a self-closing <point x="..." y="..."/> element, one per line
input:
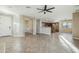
<point x="5" y="25"/>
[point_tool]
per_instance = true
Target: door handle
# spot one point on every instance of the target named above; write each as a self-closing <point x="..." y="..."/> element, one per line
<point x="9" y="27"/>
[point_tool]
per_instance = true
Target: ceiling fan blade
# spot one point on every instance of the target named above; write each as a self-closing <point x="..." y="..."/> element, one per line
<point x="45" y="7"/>
<point x="49" y="11"/>
<point x="39" y="9"/>
<point x="51" y="8"/>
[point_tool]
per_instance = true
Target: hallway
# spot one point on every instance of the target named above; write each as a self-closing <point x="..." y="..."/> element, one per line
<point x="33" y="44"/>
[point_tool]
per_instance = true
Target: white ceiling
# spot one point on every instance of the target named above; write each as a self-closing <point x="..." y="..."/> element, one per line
<point x="60" y="11"/>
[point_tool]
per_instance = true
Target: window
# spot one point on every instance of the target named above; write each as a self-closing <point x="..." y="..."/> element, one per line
<point x="70" y="25"/>
<point x="67" y="25"/>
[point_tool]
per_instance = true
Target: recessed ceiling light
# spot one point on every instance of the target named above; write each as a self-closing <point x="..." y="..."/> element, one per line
<point x="28" y="7"/>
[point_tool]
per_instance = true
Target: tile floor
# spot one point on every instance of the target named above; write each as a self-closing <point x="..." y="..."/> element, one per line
<point x="33" y="44"/>
<point x="69" y="37"/>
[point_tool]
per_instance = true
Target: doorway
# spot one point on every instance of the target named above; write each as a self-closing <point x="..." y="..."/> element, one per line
<point x="27" y="24"/>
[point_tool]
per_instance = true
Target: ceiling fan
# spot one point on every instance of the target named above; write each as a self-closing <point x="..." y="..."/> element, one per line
<point x="45" y="9"/>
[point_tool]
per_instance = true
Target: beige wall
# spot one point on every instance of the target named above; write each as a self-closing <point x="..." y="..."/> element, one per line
<point x="76" y="24"/>
<point x="69" y="30"/>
